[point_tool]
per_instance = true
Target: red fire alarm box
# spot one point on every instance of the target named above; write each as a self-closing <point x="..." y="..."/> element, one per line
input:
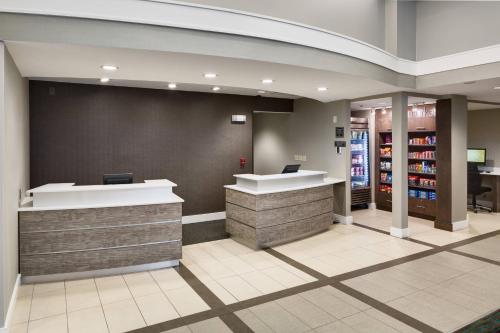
<point x="243" y="161"/>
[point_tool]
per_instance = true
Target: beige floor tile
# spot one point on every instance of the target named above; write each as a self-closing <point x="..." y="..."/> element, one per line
<point x="216" y="269"/>
<point x="283" y="276"/>
<point x="237" y="265"/>
<point x="22" y="310"/>
<point x="81" y="296"/>
<point x="141" y="284"/>
<point x="424" y="313"/>
<point x="488" y="248"/>
<point x="363" y="323"/>
<point x="123" y="316"/>
<point x="112" y="289"/>
<point x="168" y="279"/>
<point x="19" y="328"/>
<point x="305" y="277"/>
<point x="472" y="303"/>
<point x="262" y="282"/>
<point x="278" y="319"/>
<point x="49" y="303"/>
<point x="390" y="321"/>
<point x="25" y="290"/>
<point x="156" y="308"/>
<point x="210" y="326"/>
<point x="182" y="329"/>
<point x="72" y="283"/>
<point x="335" y="327"/>
<point x="253" y="321"/>
<point x="307" y="312"/>
<point x="47" y="287"/>
<point x="186" y="301"/>
<point x="429" y="270"/>
<point x="374" y="289"/>
<point x="239" y="288"/>
<point x="220" y="292"/>
<point x="455" y="261"/>
<point x="346" y="298"/>
<point x="199" y="272"/>
<point x="258" y="260"/>
<point x="54" y="324"/>
<point x="335" y="306"/>
<point x="87" y="320"/>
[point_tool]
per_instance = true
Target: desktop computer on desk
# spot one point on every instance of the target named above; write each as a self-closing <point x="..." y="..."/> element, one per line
<point x="475" y="158"/>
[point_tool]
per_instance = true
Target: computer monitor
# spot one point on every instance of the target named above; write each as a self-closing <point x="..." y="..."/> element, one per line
<point x="117" y="178"/>
<point x="476" y="155"/>
<point x="291" y="168"/>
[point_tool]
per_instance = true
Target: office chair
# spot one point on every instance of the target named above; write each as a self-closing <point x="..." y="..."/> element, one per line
<point x="474" y="187"/>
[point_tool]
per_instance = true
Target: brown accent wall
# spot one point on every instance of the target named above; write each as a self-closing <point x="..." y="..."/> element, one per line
<point x="79" y="132"/>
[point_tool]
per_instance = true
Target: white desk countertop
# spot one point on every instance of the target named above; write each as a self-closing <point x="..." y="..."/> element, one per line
<point x="61" y="196"/>
<point x="490" y="171"/>
<point x="264" y="184"/>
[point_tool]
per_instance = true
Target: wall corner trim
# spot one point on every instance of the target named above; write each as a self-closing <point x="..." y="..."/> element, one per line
<point x="400" y="233"/>
<point x="460" y="225"/>
<point x="343" y="219"/>
<point x="12" y="306"/>
<point x="203" y="217"/>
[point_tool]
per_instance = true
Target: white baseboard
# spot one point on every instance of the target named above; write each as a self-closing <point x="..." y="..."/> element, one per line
<point x="343" y="219"/>
<point x="12" y="306"/>
<point x="203" y="217"/>
<point x="459" y="225"/>
<point x="400" y="233"/>
<point x="372" y="205"/>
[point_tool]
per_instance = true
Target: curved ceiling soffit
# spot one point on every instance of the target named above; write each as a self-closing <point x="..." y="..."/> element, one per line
<point x="204" y="18"/>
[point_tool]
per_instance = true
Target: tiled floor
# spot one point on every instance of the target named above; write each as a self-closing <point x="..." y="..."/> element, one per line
<point x="108" y="304"/>
<point x="234" y="272"/>
<point x="428" y="288"/>
<point x="345" y="248"/>
<point x="423" y="230"/>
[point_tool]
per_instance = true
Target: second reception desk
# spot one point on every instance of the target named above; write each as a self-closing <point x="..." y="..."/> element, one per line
<point x="263" y="211"/>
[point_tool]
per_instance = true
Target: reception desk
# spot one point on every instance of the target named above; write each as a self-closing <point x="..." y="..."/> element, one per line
<point x="267" y="210"/>
<point x="69" y="231"/>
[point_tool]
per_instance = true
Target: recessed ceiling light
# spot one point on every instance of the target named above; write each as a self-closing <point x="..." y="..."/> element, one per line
<point x="215" y="88"/>
<point x="384" y="111"/>
<point x="261" y="91"/>
<point x="267" y="81"/>
<point x="172" y="85"/>
<point x="109" y="67"/>
<point x="497" y="88"/>
<point x="210" y="75"/>
<point x="322" y="88"/>
<point x="104" y="79"/>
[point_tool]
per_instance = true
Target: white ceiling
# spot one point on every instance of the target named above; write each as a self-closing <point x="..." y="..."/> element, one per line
<point x="74" y="63"/>
<point x="481" y="90"/>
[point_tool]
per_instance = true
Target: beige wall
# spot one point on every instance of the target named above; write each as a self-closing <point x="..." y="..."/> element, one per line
<point x="14" y="170"/>
<point x="270" y="142"/>
<point x="310" y="131"/>
<point x="483" y="132"/>
<point x="361" y="19"/>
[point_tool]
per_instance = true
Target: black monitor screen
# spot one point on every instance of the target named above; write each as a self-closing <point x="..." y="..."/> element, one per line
<point x="476" y="155"/>
<point x="117" y="178"/>
<point x="290" y="168"/>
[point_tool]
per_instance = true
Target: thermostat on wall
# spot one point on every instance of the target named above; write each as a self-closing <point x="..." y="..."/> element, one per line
<point x="238" y="118"/>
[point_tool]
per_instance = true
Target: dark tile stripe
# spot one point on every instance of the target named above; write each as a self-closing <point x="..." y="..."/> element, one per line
<point x="473" y="256"/>
<point x="402" y="317"/>
<point x="226" y="312"/>
<point x="296" y="264"/>
<point x="371" y="228"/>
<point x="388" y="233"/>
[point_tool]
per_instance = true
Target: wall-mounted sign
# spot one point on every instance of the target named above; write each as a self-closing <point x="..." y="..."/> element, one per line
<point x="339" y="132"/>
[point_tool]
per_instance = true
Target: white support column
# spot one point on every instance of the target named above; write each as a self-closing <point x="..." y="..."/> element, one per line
<point x="399" y="226"/>
<point x="459" y="217"/>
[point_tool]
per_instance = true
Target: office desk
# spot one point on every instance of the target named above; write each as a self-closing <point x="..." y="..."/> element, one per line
<point x="494" y="182"/>
<point x="69" y="231"/>
<point x="267" y="210"/>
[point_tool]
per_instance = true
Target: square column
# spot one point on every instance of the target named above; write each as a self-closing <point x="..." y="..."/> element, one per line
<point x="399" y="226"/>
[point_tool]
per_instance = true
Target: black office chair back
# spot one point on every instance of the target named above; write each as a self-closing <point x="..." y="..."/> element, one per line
<point x="473" y="179"/>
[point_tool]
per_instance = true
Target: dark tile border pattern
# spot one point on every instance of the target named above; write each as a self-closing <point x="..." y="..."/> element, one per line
<point x="226" y="312"/>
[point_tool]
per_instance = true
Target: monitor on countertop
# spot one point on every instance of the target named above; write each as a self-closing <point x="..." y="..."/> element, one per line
<point x="291" y="168"/>
<point x="117" y="178"/>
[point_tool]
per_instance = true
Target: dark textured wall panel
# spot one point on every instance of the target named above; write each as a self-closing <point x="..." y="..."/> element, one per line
<point x="79" y="132"/>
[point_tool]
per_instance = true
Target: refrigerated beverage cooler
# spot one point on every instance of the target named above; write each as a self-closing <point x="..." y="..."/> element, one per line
<point x="360" y="162"/>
